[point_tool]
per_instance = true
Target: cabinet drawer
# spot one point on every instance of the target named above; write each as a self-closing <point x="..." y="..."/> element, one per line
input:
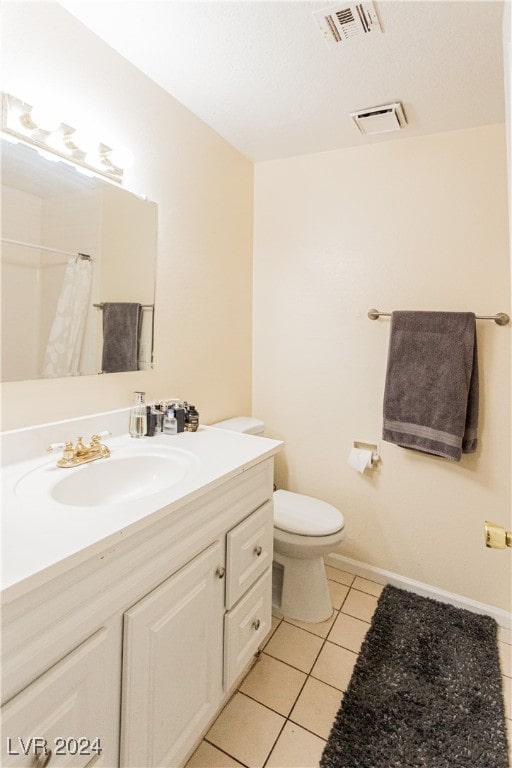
<point x="245" y="627"/>
<point x="249" y="548"/>
<point x="64" y="711"/>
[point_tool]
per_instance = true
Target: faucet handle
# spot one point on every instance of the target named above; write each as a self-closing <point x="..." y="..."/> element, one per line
<point x="55" y="447"/>
<point x="68" y="452"/>
<point x="96" y="443"/>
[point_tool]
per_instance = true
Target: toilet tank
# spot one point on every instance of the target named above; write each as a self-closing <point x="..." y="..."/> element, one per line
<point x="246" y="424"/>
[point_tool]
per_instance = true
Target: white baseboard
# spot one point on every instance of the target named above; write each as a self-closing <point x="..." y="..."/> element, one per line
<point x="503" y="618"/>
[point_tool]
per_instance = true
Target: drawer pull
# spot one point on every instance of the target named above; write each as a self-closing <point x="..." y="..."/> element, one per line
<point x="221" y="571"/>
<point x="256" y="624"/>
<point x="258" y="550"/>
<point x="43" y="759"/>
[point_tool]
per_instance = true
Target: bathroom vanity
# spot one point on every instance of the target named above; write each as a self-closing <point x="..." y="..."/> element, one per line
<point x="128" y="620"/>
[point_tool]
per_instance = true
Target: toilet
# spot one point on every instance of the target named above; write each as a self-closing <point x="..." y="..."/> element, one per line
<point x="305" y="530"/>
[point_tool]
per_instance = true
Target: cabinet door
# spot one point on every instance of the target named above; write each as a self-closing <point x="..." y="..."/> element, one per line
<point x="249" y="549"/>
<point x="246" y="626"/>
<point x="62" y="718"/>
<point x="172" y="664"/>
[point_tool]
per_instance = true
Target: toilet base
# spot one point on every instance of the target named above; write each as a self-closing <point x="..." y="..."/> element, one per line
<point x="300" y="589"/>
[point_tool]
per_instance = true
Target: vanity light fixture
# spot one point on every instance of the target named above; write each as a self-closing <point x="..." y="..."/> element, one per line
<point x="40" y="128"/>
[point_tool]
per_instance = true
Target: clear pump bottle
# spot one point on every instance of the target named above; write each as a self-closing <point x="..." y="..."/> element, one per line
<point x="138" y="419"/>
<point x="170" y="426"/>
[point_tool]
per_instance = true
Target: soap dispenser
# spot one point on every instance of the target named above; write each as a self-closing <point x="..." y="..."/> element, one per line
<point x="138" y="419"/>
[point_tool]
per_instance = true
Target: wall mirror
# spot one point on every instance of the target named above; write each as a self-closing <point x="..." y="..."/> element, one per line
<point x="74" y="248"/>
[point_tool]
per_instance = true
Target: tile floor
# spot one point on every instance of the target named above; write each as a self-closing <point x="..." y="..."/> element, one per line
<point x="282" y="712"/>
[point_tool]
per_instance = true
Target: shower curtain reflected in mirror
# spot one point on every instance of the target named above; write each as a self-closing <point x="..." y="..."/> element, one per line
<point x="62" y="356"/>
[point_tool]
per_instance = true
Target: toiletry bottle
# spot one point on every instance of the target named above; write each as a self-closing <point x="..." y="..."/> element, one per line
<point x="191" y="419"/>
<point x="150" y="421"/>
<point x="170" y="423"/>
<point x="138" y="421"/>
<point x="179" y="412"/>
<point x="159" y="418"/>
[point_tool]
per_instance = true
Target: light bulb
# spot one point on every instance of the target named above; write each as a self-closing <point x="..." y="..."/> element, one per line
<point x="121" y="157"/>
<point x="45" y="118"/>
<point x="84" y="141"/>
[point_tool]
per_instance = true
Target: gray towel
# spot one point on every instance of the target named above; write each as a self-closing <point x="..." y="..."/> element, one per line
<point x="431" y="393"/>
<point x="121" y="328"/>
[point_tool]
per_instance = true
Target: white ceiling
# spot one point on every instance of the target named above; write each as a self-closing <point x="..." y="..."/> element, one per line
<point x="261" y="74"/>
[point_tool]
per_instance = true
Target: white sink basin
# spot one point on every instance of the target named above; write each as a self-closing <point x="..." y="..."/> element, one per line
<point x="129" y="473"/>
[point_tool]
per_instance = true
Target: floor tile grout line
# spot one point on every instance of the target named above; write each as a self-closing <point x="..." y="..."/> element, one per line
<point x="287" y="718"/>
<point x="267" y="706"/>
<point x="305" y="728"/>
<point x="298" y="669"/>
<point x="353" y="578"/>
<point x="276" y="658"/>
<point x="275" y="742"/>
<point x="307" y="676"/>
<point x="339" y="612"/>
<point x="236" y="759"/>
<point x="334" y="687"/>
<point x="289" y="620"/>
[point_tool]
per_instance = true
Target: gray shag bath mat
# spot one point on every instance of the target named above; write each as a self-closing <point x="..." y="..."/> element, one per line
<point x="425" y="692"/>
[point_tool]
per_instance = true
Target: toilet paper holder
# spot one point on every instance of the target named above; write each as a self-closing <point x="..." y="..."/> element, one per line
<point x="372" y="447"/>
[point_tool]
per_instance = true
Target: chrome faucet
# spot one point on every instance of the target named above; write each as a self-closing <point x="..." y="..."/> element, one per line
<point x="81" y="453"/>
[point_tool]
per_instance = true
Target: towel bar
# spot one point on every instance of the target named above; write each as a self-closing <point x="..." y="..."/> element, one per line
<point x="500" y="319"/>
<point x="143" y="306"/>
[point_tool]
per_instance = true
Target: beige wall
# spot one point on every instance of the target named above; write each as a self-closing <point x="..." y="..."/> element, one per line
<point x="412" y="224"/>
<point x="203" y="188"/>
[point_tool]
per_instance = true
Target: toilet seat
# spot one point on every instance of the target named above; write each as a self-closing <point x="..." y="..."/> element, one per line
<point x="305" y="515"/>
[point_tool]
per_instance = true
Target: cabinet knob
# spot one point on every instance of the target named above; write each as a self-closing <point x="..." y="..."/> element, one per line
<point x="258" y="550"/>
<point x="43" y="758"/>
<point x="221" y="571"/>
<point x="256" y="624"/>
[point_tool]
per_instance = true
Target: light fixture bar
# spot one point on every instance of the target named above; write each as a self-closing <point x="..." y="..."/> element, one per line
<point x="20" y="120"/>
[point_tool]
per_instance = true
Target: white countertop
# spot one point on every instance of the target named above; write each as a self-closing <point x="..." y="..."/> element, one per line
<point x="41" y="540"/>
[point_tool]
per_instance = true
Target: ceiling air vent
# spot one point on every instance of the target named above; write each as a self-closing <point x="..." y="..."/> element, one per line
<point x="343" y="21"/>
<point x="388" y="117"/>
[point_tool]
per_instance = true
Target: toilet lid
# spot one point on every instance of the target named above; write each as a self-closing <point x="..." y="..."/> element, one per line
<point x="305" y="515"/>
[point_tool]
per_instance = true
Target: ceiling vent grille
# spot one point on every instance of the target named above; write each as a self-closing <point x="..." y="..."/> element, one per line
<point x="388" y="117"/>
<point x="343" y="22"/>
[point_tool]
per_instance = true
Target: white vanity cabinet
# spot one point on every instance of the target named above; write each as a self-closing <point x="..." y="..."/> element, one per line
<point x="140" y="644"/>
